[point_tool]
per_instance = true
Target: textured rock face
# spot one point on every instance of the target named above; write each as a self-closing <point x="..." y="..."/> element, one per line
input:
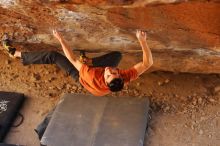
<point x="183" y="35"/>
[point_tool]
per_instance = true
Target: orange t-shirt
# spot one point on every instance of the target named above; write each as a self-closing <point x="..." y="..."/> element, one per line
<point x="92" y="78"/>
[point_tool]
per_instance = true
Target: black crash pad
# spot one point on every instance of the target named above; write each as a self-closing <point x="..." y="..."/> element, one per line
<point x="85" y="120"/>
<point x="10" y="103"/>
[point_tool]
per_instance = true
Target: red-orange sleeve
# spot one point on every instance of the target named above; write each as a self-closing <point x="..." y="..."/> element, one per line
<point x="129" y="74"/>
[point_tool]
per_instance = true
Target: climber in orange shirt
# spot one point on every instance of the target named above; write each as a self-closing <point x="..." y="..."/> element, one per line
<point x="99" y="79"/>
<point x="102" y="80"/>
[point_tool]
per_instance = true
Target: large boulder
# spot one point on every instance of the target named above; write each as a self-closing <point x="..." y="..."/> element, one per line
<point x="184" y="35"/>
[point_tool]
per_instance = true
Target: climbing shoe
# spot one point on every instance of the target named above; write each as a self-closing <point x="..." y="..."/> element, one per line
<point x="6" y="44"/>
<point x="84" y="59"/>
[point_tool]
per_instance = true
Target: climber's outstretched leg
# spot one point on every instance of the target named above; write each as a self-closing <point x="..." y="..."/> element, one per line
<point x="41" y="57"/>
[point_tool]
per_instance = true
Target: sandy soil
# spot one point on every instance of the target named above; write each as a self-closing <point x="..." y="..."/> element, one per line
<point x="184" y="111"/>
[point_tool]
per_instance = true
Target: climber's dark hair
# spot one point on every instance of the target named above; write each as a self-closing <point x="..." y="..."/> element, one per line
<point x="116" y="84"/>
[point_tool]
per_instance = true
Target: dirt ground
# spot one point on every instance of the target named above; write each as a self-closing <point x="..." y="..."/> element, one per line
<point x="184" y="111"/>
